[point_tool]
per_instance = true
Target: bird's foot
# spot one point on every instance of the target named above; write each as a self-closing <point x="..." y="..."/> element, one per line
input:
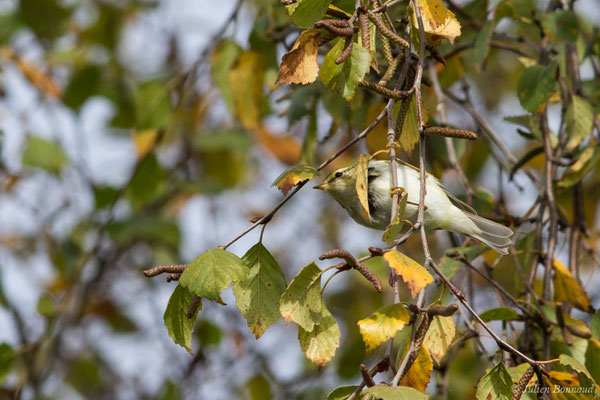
<point x="397" y="190"/>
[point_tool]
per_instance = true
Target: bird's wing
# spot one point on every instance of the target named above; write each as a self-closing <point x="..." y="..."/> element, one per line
<point x="459" y="203"/>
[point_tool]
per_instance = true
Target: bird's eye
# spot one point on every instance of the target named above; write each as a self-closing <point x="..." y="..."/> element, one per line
<point x="338" y="174"/>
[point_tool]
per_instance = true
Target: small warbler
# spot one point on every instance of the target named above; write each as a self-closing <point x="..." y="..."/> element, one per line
<point x="441" y="211"/>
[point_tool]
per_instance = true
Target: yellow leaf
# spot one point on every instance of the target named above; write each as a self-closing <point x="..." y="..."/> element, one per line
<point x="434" y="12"/>
<point x="299" y="65"/>
<point x="419" y="374"/>
<point x="362" y="183"/>
<point x="382" y="325"/>
<point x="562" y="378"/>
<point x="415" y="276"/>
<point x="246" y="78"/>
<point x="439" y="337"/>
<point x="285" y="148"/>
<point x="567" y="289"/>
<point x="293" y="176"/>
<point x="438" y="22"/>
<point x="144" y="141"/>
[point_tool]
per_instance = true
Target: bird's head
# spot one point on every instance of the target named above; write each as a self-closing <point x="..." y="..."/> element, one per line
<point x="340" y="182"/>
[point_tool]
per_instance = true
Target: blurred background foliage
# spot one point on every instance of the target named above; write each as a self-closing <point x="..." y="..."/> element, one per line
<point x="140" y="133"/>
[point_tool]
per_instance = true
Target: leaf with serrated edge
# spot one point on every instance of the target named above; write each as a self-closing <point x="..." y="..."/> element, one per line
<point x="394" y="229"/>
<point x="438" y="21"/>
<point x="293" y="176"/>
<point x="362" y="184"/>
<point x="415" y="276"/>
<point x="419" y="374"/>
<point x="566" y="288"/>
<point x="301" y="301"/>
<point x="439" y="337"/>
<point x="496" y="384"/>
<point x="257" y="295"/>
<point x="299" y="65"/>
<point x="212" y="272"/>
<point x="382" y="325"/>
<point x="410" y="128"/>
<point x="343" y="78"/>
<point x="306" y="12"/>
<point x="178" y="325"/>
<point x="320" y="343"/>
<point x="385" y="392"/>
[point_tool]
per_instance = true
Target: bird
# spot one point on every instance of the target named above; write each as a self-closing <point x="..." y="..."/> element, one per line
<point x="442" y="209"/>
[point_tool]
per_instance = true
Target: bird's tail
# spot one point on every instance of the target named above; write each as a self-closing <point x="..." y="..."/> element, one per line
<point x="494" y="235"/>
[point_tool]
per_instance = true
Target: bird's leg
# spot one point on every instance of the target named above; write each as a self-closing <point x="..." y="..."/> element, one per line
<point x="397" y="190"/>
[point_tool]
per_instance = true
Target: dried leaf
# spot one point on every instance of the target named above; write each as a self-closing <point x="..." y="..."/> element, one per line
<point x="285" y="148"/>
<point x="293" y="176"/>
<point x="362" y="184"/>
<point x="382" y="325"/>
<point x="438" y="21"/>
<point x="415" y="276"/>
<point x="567" y="289"/>
<point x="439" y="337"/>
<point x="299" y="65"/>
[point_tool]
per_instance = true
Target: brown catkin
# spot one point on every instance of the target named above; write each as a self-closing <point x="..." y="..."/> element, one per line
<point x="519" y="388"/>
<point x="346" y="51"/>
<point x="385" y="92"/>
<point x="193" y="307"/>
<point x="387" y="32"/>
<point x="449" y="132"/>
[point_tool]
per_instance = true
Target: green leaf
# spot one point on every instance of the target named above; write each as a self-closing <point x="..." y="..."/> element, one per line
<point x="580" y="120"/>
<point x="410" y="127"/>
<point x="148" y="181"/>
<point x="394" y="229"/>
<point x="41" y="153"/>
<point x="585" y="378"/>
<point x="221" y="61"/>
<point x="438" y="338"/>
<point x="309" y="145"/>
<point x="84" y="84"/>
<point x="212" y="272"/>
<point x="561" y="26"/>
<point x="46" y="18"/>
<point x="301" y="302"/>
<point x="592" y="359"/>
<point x="320" y="343"/>
<point x="382" y="325"/>
<point x="482" y="43"/>
<point x="259" y="388"/>
<point x="7" y="356"/>
<point x="152" y="104"/>
<point x="450" y="266"/>
<point x="46" y="306"/>
<point x="343" y="78"/>
<point x="306" y="12"/>
<point x="587" y="160"/>
<point x="178" y="325"/>
<point x="341" y="393"/>
<point x="595" y="325"/>
<point x="535" y="86"/>
<point x="499" y="314"/>
<point x="257" y="295"/>
<point x="293" y="176"/>
<point x="495" y="385"/>
<point x="385" y="392"/>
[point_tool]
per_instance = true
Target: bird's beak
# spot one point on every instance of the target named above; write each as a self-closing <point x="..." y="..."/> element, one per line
<point x="320" y="187"/>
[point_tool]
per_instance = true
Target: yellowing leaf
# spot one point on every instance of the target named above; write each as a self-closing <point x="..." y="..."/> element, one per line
<point x="566" y="288"/>
<point x="246" y="79"/>
<point x="439" y="337"/>
<point x="362" y="183"/>
<point x="320" y="343"/>
<point x="419" y="374"/>
<point x="438" y="21"/>
<point x="285" y="148"/>
<point x="301" y="302"/>
<point x="299" y="65"/>
<point x="293" y="176"/>
<point x="144" y="141"/>
<point x="382" y="325"/>
<point x="415" y="276"/>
